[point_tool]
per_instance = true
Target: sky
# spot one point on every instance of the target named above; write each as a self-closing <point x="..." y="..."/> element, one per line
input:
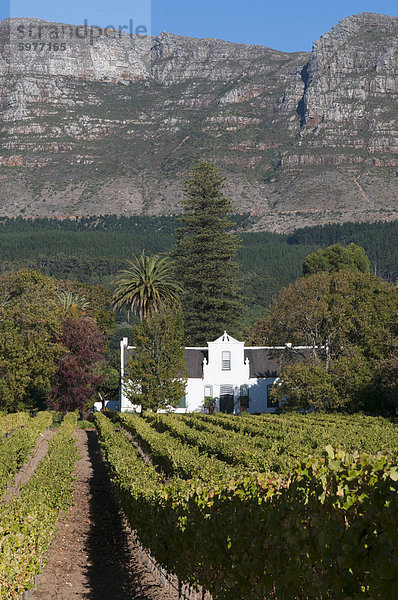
<point x="288" y="25"/>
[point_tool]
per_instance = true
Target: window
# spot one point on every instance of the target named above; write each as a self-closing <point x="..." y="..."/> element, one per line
<point x="226" y="390"/>
<point x="270" y="402"/>
<point x="226" y="360"/>
<point x="227" y="399"/>
<point x="208" y="391"/>
<point x="182" y="403"/>
<point x="244" y="390"/>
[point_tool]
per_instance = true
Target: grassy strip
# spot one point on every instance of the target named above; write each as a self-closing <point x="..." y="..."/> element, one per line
<point x="15" y="450"/>
<point x="28" y="523"/>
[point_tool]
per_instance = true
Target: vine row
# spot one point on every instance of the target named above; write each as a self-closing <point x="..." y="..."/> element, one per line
<point x="12" y="421"/>
<point x="326" y="530"/>
<point x="15" y="450"/>
<point x="28" y="523"/>
<point x="172" y="456"/>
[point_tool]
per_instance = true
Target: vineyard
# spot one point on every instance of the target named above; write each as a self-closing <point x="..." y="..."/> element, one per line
<point x="285" y="507"/>
<point x="276" y="507"/>
<point x="27" y="522"/>
<point x="15" y="449"/>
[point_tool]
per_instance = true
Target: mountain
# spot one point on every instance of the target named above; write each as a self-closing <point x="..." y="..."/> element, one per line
<point x="98" y="122"/>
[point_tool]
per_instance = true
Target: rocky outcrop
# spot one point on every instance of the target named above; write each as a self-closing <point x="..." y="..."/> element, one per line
<point x="351" y="83"/>
<point x="41" y="48"/>
<point x="98" y="121"/>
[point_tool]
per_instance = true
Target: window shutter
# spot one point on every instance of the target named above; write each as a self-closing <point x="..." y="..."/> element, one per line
<point x="226" y="360"/>
<point x="182" y="403"/>
<point x="226" y="390"/>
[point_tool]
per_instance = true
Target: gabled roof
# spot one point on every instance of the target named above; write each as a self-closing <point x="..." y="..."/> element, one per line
<point x="225" y="337"/>
<point x="268" y="362"/>
<point x="264" y="362"/>
<point x="194" y="358"/>
<point x="261" y="364"/>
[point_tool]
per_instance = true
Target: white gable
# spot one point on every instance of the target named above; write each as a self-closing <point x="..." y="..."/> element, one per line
<point x="225" y="361"/>
<point x="225" y="371"/>
<point x="225" y="338"/>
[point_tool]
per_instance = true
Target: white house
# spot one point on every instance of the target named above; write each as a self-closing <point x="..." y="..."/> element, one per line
<point x="224" y="370"/>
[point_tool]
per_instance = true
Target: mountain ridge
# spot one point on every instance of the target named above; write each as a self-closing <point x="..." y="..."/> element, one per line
<point x="113" y="124"/>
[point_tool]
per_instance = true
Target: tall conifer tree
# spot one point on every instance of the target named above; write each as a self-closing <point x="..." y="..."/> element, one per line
<point x="205" y="253"/>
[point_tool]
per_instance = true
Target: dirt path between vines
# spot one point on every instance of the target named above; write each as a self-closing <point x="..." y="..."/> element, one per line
<point x="30" y="466"/>
<point x="93" y="555"/>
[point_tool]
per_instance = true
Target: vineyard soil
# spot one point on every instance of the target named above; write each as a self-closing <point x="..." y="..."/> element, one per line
<point x="29" y="467"/>
<point x="93" y="555"/>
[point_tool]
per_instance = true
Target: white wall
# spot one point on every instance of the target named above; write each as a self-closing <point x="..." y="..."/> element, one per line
<point x="258" y="395"/>
<point x="239" y="374"/>
<point x="194" y="395"/>
<point x="125" y="404"/>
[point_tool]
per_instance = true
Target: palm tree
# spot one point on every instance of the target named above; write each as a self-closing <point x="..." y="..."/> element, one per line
<point x="146" y="285"/>
<point x="70" y="301"/>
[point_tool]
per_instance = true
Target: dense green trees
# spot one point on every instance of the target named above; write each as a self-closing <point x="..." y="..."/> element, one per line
<point x="146" y="285"/>
<point x="335" y="258"/>
<point x="95" y="302"/>
<point x="349" y="320"/>
<point x="306" y="387"/>
<point x="334" y="309"/>
<point x="93" y="249"/>
<point x="351" y="313"/>
<point x="387" y="374"/>
<point x="155" y="376"/>
<point x="37" y="319"/>
<point x="205" y="255"/>
<point x="29" y="338"/>
<point x="109" y="387"/>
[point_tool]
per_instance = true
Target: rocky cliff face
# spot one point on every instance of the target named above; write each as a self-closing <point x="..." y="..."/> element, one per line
<point x="101" y="122"/>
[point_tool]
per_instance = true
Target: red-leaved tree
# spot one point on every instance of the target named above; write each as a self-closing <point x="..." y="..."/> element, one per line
<point x="77" y="377"/>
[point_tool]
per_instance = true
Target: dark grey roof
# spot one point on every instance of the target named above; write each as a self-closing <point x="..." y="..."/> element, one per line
<point x="264" y="362"/>
<point x="194" y="361"/>
<point x="268" y="362"/>
<point x="261" y="364"/>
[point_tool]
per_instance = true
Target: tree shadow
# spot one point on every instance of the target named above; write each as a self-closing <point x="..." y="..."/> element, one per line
<point x="114" y="569"/>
